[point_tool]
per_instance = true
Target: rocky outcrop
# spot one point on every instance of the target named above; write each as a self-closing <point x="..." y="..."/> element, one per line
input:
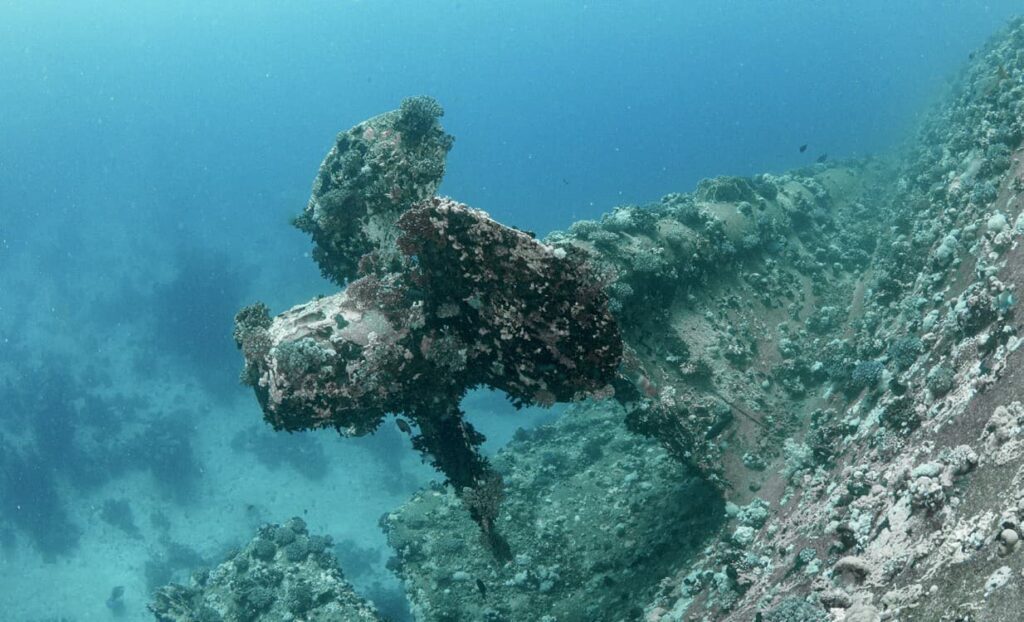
<point x="895" y="498"/>
<point x="834" y="352"/>
<point x="840" y="346"/>
<point x="376" y="171"/>
<point x="284" y="573"/>
<point x="585" y="516"/>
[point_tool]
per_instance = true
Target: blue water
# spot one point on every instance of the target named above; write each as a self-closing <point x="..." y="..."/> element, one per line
<point x="151" y="154"/>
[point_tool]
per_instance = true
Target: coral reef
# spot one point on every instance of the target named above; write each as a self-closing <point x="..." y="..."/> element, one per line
<point x="725" y="299"/>
<point x="173" y="561"/>
<point x="284" y="573"/>
<point x="584" y="514"/>
<point x="834" y="352"/>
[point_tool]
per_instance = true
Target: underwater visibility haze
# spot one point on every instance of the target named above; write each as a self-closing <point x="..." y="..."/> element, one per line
<point x="533" y="311"/>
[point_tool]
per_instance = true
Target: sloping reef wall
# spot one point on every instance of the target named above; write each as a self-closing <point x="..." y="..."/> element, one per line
<point x="819" y="408"/>
<point x="796" y="398"/>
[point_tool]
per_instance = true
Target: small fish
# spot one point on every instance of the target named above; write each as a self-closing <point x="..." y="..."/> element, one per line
<point x="403" y="425"/>
<point x="565" y="181"/>
<point x="970" y="56"/>
<point x="803" y="148"/>
<point x="821" y="159"/>
<point x="480" y="586"/>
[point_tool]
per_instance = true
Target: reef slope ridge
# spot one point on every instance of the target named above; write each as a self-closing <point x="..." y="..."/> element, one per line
<point x="797" y="394"/>
<point x="835" y="351"/>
